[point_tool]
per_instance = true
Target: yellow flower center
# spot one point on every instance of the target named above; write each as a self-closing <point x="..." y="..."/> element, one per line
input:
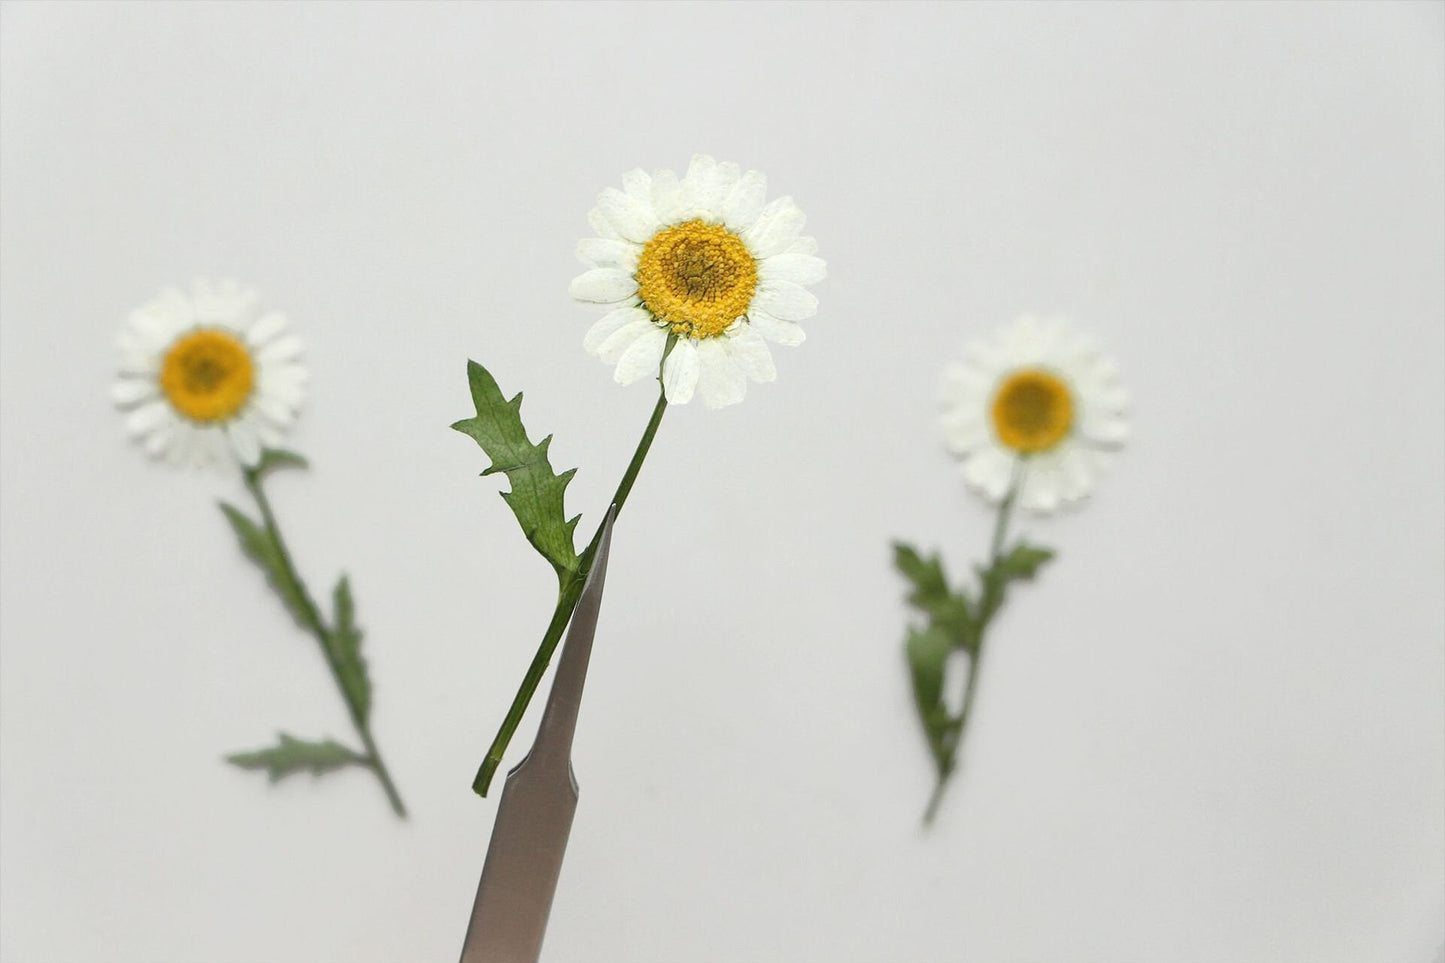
<point x="1032" y="411"/>
<point x="207" y="375"/>
<point x="697" y="277"/>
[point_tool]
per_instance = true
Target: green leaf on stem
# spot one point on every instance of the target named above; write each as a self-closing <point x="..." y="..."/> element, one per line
<point x="929" y="582"/>
<point x="344" y="641"/>
<point x="262" y="549"/>
<point x="928" y="651"/>
<point x="273" y="458"/>
<point x="1022" y="562"/>
<point x="537" y="492"/>
<point x="931" y="593"/>
<point x="292" y="755"/>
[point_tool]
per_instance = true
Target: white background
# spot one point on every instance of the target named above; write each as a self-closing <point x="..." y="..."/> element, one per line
<point x="1213" y="731"/>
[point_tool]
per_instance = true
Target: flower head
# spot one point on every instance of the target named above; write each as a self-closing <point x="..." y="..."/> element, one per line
<point x="703" y="259"/>
<point x="1037" y="393"/>
<point x="202" y="381"/>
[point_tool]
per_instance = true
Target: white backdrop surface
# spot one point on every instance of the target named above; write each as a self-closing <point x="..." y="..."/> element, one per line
<point x="1213" y="731"/>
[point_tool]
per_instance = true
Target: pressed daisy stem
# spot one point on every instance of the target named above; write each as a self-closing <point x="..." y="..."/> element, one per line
<point x="569" y="590"/>
<point x="988" y="606"/>
<point x="316" y="625"/>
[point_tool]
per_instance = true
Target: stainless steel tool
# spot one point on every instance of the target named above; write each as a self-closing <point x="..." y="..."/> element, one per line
<point x="534" y="815"/>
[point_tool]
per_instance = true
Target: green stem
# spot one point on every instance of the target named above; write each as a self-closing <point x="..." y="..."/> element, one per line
<point x="989" y="603"/>
<point x="569" y="590"/>
<point x="314" y="623"/>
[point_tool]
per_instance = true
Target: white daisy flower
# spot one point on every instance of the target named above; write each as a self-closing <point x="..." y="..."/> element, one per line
<point x="1039" y="399"/>
<point x="201" y="381"/>
<point x="701" y="257"/>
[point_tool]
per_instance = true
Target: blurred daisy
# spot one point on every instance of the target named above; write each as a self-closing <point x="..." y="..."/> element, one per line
<point x="703" y="258"/>
<point x="1038" y="402"/>
<point x="201" y="381"/>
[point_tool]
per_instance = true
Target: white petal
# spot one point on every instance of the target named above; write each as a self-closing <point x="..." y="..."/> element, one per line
<point x="1076" y="476"/>
<point x="275" y="409"/>
<point x="725" y="178"/>
<point x="1111" y="431"/>
<point x="185" y="440"/>
<point x="797" y="268"/>
<point x="706" y="185"/>
<point x="135" y="357"/>
<point x="630" y="217"/>
<point x="226" y="304"/>
<point x="680" y="371"/>
<point x="211" y="447"/>
<point x="604" y="286"/>
<point x="720" y="381"/>
<point x="741" y="207"/>
<point x="1040" y="492"/>
<point x="667" y="197"/>
<point x="282" y="349"/>
<point x="148" y="417"/>
<point x="637" y="183"/>
<point x="803" y="245"/>
<point x="130" y="391"/>
<point x="271" y="435"/>
<point x="750" y="352"/>
<point x="964" y="429"/>
<point x="642" y="358"/>
<point x="285" y="380"/>
<point x="966" y="385"/>
<point x="989" y="470"/>
<point x="610" y="323"/>
<point x="612" y="349"/>
<point x="268" y="326"/>
<point x="245" y="443"/>
<point x="777" y="225"/>
<point x="289" y="393"/>
<point x="699" y="184"/>
<point x="156" y="443"/>
<point x="606" y="253"/>
<point x="786" y="300"/>
<point x="157" y="324"/>
<point x="774" y="329"/>
<point x="601" y="225"/>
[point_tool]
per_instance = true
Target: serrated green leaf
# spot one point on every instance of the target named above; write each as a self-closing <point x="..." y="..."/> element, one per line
<point x="292" y="755"/>
<point x="344" y="641"/>
<point x="928" y="651"/>
<point x="262" y="549"/>
<point x="272" y="458"/>
<point x="929" y="581"/>
<point x="1022" y="562"/>
<point x="537" y="493"/>
<point x="931" y="593"/>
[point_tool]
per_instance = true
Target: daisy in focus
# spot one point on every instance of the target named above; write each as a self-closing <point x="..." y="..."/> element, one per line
<point x="1034" y="416"/>
<point x="703" y="261"/>
<point x="696" y="275"/>
<point x="1037" y="394"/>
<point x="204" y="380"/>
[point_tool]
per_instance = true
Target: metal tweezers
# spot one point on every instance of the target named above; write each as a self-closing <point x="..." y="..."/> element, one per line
<point x="539" y="799"/>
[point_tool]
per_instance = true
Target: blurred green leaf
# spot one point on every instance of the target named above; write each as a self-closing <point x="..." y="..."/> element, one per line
<point x="928" y="651"/>
<point x="292" y="755"/>
<point x="931" y="594"/>
<point x="262" y="549"/>
<point x="344" y="641"/>
<point x="1022" y="562"/>
<point x="273" y="458"/>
